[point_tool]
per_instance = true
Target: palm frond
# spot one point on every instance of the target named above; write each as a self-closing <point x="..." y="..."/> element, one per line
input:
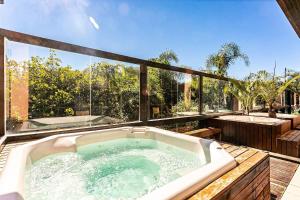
<point x="286" y="84"/>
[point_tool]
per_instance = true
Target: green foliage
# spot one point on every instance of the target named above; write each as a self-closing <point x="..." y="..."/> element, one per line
<point x="105" y="89"/>
<point x="294" y="86"/>
<point x="166" y="57"/>
<point x="245" y="91"/>
<point x="56" y="90"/>
<point x="214" y="97"/>
<point x="181" y="106"/>
<point x="224" y="58"/>
<point x="53" y="87"/>
<point x="115" y="90"/>
<point x="270" y="86"/>
<point x="69" y="111"/>
<point x="211" y="92"/>
<point x="162" y="83"/>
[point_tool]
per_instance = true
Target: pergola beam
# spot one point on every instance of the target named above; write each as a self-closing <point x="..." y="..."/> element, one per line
<point x="291" y="9"/>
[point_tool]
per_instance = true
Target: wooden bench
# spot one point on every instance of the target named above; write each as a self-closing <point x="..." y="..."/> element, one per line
<point x="288" y="143"/>
<point x="209" y="132"/>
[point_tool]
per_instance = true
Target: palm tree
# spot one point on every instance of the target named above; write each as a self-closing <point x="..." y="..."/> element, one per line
<point x="270" y="88"/>
<point x="225" y="57"/>
<point x="162" y="82"/>
<point x="245" y="92"/>
<point x="295" y="86"/>
<point x="166" y="57"/>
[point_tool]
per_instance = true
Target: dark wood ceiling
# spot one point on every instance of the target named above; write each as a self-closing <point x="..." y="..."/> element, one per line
<point x="291" y="9"/>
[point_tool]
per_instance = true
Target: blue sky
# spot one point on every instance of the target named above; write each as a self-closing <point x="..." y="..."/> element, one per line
<point x="144" y="28"/>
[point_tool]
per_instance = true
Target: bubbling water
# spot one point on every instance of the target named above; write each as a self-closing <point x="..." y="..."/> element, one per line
<point x="126" y="168"/>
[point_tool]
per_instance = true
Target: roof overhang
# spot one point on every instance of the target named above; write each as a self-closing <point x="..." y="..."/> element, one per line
<point x="291" y="9"/>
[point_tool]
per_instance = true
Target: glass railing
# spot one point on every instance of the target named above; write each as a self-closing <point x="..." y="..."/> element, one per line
<point x="52" y="89"/>
<point x="214" y="98"/>
<point x="52" y="85"/>
<point x="172" y="94"/>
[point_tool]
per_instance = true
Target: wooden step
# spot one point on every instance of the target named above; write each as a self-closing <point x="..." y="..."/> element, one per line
<point x="298" y="127"/>
<point x="209" y="132"/>
<point x="288" y="143"/>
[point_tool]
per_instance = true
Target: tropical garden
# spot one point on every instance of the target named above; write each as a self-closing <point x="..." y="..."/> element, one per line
<point x="112" y="89"/>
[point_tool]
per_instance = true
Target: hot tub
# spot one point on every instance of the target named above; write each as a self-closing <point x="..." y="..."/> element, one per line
<point x="121" y="163"/>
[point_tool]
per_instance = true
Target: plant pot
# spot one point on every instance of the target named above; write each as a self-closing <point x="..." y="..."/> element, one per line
<point x="82" y="112"/>
<point x="272" y="114"/>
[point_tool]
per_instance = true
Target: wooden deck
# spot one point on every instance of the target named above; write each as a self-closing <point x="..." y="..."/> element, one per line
<point x="247" y="180"/>
<point x="281" y="174"/>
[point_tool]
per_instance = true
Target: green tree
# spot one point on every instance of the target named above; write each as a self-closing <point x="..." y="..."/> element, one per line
<point x="53" y="88"/>
<point x="245" y="91"/>
<point x="294" y="86"/>
<point x="114" y="90"/>
<point x="162" y="84"/>
<point x="270" y="87"/>
<point x="220" y="62"/>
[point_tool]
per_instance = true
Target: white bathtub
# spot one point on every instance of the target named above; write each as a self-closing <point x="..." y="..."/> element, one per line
<point x="218" y="160"/>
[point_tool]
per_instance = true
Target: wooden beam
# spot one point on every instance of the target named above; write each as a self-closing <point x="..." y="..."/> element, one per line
<point x="200" y="94"/>
<point x="144" y="105"/>
<point x="2" y="87"/>
<point x="291" y="9"/>
<point x="53" y="44"/>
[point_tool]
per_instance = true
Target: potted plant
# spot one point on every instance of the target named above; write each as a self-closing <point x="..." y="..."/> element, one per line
<point x="270" y="88"/>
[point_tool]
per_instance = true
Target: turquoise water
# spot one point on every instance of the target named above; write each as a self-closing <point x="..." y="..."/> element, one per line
<point x="116" y="169"/>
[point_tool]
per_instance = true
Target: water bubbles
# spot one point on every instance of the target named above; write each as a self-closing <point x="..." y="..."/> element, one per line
<point x="117" y="169"/>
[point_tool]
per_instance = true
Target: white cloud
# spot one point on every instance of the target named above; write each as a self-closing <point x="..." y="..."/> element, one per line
<point x="73" y="13"/>
<point x="94" y="23"/>
<point x="123" y="8"/>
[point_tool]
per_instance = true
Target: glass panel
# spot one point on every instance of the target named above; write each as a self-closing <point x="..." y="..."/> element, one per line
<point x="182" y="127"/>
<point x="45" y="89"/>
<point x="188" y="95"/>
<point x="162" y="87"/>
<point x="51" y="89"/>
<point x="214" y="98"/>
<point x="225" y="100"/>
<point x="114" y="92"/>
<point x="172" y="94"/>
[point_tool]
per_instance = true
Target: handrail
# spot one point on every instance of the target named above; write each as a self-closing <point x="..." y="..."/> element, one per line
<point x="54" y="44"/>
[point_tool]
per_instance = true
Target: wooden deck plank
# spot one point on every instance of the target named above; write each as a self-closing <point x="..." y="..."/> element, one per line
<point x="251" y="188"/>
<point x="244" y="156"/>
<point x="238" y="151"/>
<point x="223" y="186"/>
<point x="231" y="149"/>
<point x="281" y="174"/>
<point x="225" y="145"/>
